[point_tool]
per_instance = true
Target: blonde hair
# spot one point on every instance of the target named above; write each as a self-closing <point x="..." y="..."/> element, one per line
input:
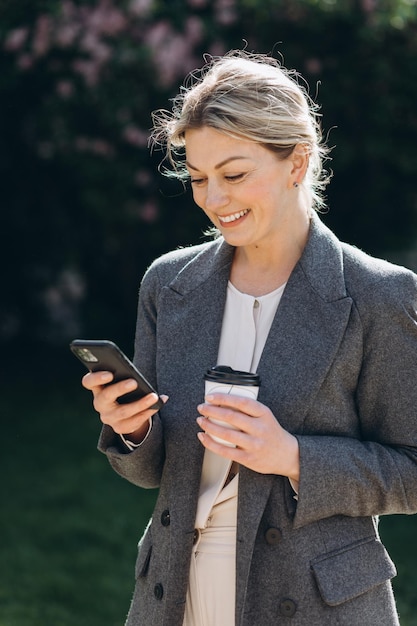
<point x="251" y="97"/>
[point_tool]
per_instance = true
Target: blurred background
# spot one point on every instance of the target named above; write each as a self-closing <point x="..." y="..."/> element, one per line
<point x="84" y="211"/>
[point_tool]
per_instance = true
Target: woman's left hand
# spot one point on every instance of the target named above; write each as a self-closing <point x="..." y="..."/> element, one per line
<point x="261" y="443"/>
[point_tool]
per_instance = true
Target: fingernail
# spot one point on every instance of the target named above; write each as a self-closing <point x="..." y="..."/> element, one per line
<point x="209" y="397"/>
<point x="130" y="385"/>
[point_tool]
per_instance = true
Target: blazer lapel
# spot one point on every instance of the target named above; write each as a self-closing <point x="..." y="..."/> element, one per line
<point x="194" y="304"/>
<point x="304" y="338"/>
<point x="190" y="318"/>
<point x="307" y="330"/>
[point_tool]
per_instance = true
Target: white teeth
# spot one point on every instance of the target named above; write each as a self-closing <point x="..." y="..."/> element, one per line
<point x="233" y="217"/>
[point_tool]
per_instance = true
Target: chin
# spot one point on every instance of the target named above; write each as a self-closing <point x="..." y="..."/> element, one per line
<point x="236" y="241"/>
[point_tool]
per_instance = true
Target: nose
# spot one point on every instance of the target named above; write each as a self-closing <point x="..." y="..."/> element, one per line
<point x="216" y="196"/>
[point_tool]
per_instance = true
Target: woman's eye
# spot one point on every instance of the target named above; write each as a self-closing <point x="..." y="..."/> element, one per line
<point x="234" y="177"/>
<point x="231" y="178"/>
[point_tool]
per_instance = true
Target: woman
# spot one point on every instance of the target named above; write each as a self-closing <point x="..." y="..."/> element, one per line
<point x="279" y="526"/>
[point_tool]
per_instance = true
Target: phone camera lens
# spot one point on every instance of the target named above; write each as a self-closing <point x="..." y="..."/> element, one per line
<point x="86" y="355"/>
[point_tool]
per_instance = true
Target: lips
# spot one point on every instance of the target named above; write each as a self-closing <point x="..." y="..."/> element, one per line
<point x="227" y="219"/>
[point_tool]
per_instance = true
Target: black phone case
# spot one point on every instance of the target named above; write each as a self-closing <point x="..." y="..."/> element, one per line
<point x="108" y="357"/>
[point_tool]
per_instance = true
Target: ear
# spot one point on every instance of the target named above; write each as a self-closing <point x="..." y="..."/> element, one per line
<point x="299" y="159"/>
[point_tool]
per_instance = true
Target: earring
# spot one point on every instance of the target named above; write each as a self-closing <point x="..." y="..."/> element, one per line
<point x="295" y="184"/>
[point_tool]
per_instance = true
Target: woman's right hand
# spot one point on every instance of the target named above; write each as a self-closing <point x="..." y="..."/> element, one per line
<point x="130" y="419"/>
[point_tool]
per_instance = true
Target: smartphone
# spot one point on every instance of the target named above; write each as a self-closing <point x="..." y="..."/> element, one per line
<point x="100" y="355"/>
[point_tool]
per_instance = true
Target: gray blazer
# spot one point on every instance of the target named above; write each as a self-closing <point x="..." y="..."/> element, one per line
<point x="339" y="371"/>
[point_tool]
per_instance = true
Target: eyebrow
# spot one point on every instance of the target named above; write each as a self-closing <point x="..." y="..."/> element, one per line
<point x="219" y="165"/>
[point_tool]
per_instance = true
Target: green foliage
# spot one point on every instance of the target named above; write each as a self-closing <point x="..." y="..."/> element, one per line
<point x="84" y="208"/>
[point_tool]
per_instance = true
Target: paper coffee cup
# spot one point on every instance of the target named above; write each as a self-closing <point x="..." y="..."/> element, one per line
<point x="224" y="379"/>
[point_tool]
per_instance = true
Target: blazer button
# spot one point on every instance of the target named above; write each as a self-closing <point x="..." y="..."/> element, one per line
<point x="165" y="518"/>
<point x="273" y="536"/>
<point x="158" y="591"/>
<point x="287" y="607"/>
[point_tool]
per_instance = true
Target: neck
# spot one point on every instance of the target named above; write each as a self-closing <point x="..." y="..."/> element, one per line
<point x="260" y="268"/>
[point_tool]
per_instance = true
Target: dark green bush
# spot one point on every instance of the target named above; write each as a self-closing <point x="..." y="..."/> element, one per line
<point x="84" y="208"/>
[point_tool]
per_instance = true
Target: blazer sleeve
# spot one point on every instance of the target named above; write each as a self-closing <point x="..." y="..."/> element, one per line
<point x="376" y="474"/>
<point x="142" y="466"/>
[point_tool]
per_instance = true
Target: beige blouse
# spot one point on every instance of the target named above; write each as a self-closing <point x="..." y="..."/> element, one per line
<point x="246" y="324"/>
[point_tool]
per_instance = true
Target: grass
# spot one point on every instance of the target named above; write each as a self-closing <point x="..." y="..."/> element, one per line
<point x="398" y="533"/>
<point x="69" y="524"/>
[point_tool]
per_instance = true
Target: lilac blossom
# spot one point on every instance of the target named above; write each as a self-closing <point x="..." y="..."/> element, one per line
<point x="96" y="146"/>
<point x="197" y="4"/>
<point x="140" y="8"/>
<point x="41" y="41"/>
<point x="225" y="12"/>
<point x="148" y="211"/>
<point x="65" y="89"/>
<point x="135" y="136"/>
<point x="16" y="39"/>
<point x="172" y="52"/>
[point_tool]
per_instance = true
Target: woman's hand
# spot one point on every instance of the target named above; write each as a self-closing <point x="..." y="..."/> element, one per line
<point x="125" y="419"/>
<point x="261" y="443"/>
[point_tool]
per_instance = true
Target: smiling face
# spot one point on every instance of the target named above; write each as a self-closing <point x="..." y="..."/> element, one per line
<point x="245" y="189"/>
